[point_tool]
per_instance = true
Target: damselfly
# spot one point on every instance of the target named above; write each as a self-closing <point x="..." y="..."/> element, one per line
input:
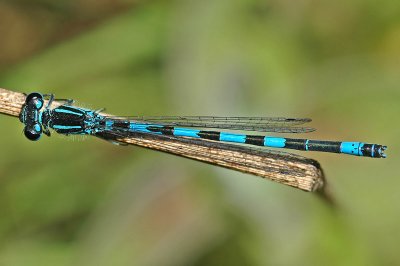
<point x="183" y="134"/>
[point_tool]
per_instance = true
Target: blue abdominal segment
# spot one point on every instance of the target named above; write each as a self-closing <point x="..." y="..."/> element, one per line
<point x="66" y="127"/>
<point x="229" y="137"/>
<point x="185" y="132"/>
<point x="352" y="148"/>
<point x="274" y="142"/>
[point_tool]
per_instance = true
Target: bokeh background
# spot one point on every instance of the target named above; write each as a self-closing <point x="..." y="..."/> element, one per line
<point x="65" y="201"/>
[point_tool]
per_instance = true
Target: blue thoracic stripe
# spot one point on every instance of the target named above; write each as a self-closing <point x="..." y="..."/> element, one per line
<point x="65" y="127"/>
<point x="63" y="110"/>
<point x="40" y="117"/>
<point x="185" y="132"/>
<point x="229" y="137"/>
<point x="274" y="142"/>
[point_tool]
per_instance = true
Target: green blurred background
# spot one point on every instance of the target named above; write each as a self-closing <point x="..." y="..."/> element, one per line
<point x="64" y="201"/>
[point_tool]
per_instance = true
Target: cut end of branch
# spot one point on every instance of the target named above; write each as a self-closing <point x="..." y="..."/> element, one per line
<point x="11" y="102"/>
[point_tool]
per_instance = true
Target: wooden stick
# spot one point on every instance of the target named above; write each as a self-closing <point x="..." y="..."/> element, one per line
<point x="11" y="102"/>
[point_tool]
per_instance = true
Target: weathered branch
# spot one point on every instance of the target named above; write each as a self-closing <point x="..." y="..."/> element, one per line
<point x="11" y="102"/>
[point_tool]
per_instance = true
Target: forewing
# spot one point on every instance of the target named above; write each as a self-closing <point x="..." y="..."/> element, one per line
<point x="261" y="124"/>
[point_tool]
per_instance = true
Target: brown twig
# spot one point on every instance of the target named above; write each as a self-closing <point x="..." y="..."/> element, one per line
<point x="11" y="102"/>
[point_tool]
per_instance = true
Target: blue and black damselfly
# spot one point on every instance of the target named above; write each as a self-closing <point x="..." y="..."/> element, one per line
<point x="202" y="136"/>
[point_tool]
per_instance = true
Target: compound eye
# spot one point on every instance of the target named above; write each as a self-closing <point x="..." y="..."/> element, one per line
<point x="33" y="132"/>
<point x="36" y="99"/>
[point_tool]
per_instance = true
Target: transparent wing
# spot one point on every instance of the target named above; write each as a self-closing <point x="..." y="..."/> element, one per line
<point x="261" y="124"/>
<point x="281" y="167"/>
